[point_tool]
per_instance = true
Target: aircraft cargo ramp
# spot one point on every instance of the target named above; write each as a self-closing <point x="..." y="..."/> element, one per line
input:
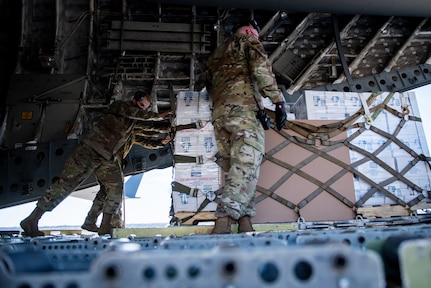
<point x="357" y="253"/>
<point x="64" y="61"/>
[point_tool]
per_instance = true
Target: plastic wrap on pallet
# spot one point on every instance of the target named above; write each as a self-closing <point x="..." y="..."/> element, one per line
<point x="325" y="105"/>
<point x="203" y="172"/>
<point x="184" y="203"/>
<point x="196" y="142"/>
<point x="339" y="105"/>
<point x="192" y="107"/>
<point x="205" y="177"/>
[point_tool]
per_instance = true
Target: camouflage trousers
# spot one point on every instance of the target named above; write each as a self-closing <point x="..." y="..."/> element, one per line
<point x="84" y="162"/>
<point x="98" y="205"/>
<point x="241" y="140"/>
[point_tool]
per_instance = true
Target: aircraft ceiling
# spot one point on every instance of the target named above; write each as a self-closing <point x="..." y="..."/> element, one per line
<point x="66" y="57"/>
<point x="163" y="47"/>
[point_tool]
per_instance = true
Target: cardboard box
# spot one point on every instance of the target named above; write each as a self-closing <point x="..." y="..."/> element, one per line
<point x="205" y="177"/>
<point x="309" y="187"/>
<point x="192" y="107"/>
<point x="196" y="142"/>
<point x="296" y="189"/>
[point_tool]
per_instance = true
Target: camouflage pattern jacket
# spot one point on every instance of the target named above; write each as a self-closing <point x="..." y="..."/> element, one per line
<point x="114" y="127"/>
<point x="234" y="69"/>
<point x="146" y="134"/>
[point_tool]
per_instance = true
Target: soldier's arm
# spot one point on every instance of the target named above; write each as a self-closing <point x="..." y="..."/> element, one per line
<point x="133" y="112"/>
<point x="261" y="69"/>
<point x="151" y="127"/>
<point x="146" y="115"/>
<point x="151" y="144"/>
<point x="146" y="133"/>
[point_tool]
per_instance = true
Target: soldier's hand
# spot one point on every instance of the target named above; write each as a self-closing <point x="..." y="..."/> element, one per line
<point x="280" y="115"/>
<point x="166" y="140"/>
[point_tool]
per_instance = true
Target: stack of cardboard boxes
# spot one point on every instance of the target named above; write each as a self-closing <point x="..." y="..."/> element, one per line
<point x="335" y="178"/>
<point x="313" y="179"/>
<point x="202" y="173"/>
<point x="339" y="105"/>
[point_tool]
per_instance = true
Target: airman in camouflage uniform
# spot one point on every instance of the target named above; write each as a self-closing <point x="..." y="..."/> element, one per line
<point x="235" y="69"/>
<point x="144" y="134"/>
<point x="96" y="154"/>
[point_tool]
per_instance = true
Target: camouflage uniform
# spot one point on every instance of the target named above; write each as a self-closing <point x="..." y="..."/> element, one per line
<point x="96" y="154"/>
<point x="234" y="70"/>
<point x="97" y="208"/>
<point x="143" y="132"/>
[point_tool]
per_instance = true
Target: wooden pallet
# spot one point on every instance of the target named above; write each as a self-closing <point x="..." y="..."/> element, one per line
<point x="203" y="216"/>
<point x="384" y="211"/>
<point x="388" y="211"/>
<point x="421" y="205"/>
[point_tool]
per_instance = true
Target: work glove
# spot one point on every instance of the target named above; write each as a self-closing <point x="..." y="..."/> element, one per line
<point x="280" y="115"/>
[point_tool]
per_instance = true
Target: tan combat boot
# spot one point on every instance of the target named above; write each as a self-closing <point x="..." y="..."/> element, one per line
<point x="244" y="224"/>
<point x="117" y="220"/>
<point x="105" y="226"/>
<point x="30" y="224"/>
<point x="91" y="219"/>
<point x="90" y="226"/>
<point x="222" y="225"/>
